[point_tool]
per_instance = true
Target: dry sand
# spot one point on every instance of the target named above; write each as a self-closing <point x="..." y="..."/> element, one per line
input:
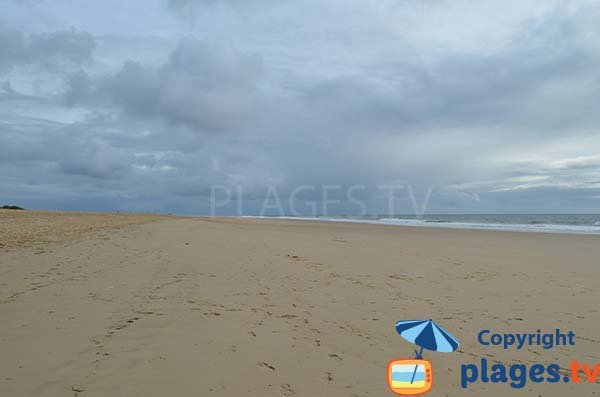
<point x="229" y="307"/>
<point x="37" y="228"/>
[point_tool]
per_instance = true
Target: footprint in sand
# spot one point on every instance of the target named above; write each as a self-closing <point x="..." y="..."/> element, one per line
<point x="315" y="266"/>
<point x="402" y="277"/>
<point x="286" y="390"/>
<point x="266" y="365"/>
<point x="480" y="276"/>
<point x="297" y="258"/>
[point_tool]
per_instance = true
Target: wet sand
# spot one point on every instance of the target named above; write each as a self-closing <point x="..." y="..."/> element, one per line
<point x="224" y="307"/>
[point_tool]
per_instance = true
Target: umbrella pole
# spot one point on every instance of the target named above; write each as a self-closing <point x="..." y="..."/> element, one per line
<point x="416" y="366"/>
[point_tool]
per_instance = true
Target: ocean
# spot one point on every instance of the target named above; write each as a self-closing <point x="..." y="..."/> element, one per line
<point x="543" y="223"/>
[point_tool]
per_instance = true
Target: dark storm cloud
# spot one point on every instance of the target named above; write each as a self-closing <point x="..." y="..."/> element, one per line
<point x="19" y="48"/>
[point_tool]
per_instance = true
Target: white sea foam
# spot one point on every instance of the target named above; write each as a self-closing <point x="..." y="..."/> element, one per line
<point x="539" y="228"/>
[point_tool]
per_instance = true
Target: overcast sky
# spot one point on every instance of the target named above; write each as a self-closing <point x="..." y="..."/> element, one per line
<point x="145" y="104"/>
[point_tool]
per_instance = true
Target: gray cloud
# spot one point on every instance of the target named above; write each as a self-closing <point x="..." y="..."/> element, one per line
<point x="202" y="85"/>
<point x="50" y="49"/>
<point x="496" y="117"/>
<point x="190" y="5"/>
<point x="511" y="86"/>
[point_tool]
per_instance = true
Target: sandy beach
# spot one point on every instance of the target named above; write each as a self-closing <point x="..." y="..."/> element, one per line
<point x="142" y="305"/>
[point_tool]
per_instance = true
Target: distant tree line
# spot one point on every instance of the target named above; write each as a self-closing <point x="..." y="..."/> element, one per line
<point x="11" y="207"/>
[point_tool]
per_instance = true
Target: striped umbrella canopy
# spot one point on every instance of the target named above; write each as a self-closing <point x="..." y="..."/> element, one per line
<point x="427" y="334"/>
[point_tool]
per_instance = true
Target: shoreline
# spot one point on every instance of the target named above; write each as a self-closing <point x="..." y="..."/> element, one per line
<point x="418" y="223"/>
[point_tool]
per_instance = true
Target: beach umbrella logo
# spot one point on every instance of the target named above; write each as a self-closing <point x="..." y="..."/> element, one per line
<point x="409" y="377"/>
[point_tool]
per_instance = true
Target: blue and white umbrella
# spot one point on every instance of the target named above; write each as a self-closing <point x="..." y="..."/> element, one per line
<point x="426" y="334"/>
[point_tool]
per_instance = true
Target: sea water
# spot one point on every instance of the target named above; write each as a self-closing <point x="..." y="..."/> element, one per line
<point x="548" y="223"/>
